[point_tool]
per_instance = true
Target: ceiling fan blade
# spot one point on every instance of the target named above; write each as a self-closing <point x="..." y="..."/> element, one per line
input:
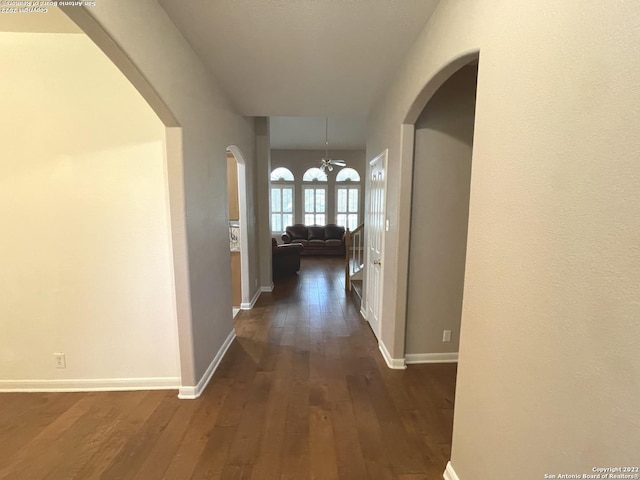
<point x="339" y="163"/>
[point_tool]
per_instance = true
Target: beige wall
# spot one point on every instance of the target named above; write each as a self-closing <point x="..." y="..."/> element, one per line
<point x="299" y="161"/>
<point x="439" y="215"/>
<point x="548" y="372"/>
<point x="163" y="66"/>
<point x="86" y="246"/>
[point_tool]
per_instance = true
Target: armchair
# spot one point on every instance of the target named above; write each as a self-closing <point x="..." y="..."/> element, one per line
<point x="285" y="258"/>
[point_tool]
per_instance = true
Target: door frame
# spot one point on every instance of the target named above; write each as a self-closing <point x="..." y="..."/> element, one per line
<point x="241" y="165"/>
<point x="384" y="156"/>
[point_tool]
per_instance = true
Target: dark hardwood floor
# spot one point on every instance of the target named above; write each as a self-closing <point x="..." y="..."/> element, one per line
<point x="302" y="393"/>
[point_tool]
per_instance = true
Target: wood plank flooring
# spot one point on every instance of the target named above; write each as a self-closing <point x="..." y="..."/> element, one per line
<point x="302" y="393"/>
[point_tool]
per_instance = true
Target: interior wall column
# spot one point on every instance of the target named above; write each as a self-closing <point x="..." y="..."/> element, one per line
<point x="263" y="170"/>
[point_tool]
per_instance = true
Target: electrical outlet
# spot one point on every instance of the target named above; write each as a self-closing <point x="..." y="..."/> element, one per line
<point x="446" y="335"/>
<point x="60" y="360"/>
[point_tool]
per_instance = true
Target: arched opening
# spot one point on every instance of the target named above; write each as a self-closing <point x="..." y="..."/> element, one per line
<point x="405" y="173"/>
<point x="439" y="219"/>
<point x="239" y="244"/>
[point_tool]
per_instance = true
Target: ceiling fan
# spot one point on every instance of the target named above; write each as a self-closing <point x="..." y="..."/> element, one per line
<point x="327" y="163"/>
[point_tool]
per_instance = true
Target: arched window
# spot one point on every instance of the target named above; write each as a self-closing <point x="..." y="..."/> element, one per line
<point x="347" y="198"/>
<point x="282" y="174"/>
<point x="314" y="174"/>
<point x="315" y="197"/>
<point x="281" y="199"/>
<point x="347" y="175"/>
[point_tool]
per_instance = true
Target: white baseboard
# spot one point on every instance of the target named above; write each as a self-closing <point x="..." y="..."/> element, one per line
<point x="363" y="312"/>
<point x="249" y="306"/>
<point x="394" y="363"/>
<point x="267" y="289"/>
<point x="191" y="393"/>
<point x="90" y="384"/>
<point x="449" y="473"/>
<point x="235" y="311"/>
<point x="431" y="357"/>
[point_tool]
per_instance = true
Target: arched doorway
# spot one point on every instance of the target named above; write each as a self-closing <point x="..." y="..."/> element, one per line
<point x="443" y="142"/>
<point x="237" y="188"/>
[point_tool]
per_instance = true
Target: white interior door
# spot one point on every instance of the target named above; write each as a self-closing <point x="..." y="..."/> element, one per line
<point x="375" y="239"/>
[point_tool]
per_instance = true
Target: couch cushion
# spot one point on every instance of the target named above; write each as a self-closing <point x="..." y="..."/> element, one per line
<point x="333" y="231"/>
<point x="297" y="231"/>
<point x="304" y="242"/>
<point x="317" y="243"/>
<point x="333" y="242"/>
<point x="316" y="233"/>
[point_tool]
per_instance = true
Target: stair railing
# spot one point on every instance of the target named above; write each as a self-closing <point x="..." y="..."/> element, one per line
<point x="354" y="254"/>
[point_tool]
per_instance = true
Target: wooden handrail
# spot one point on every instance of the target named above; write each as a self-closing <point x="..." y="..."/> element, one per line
<point x="348" y="238"/>
<point x="359" y="228"/>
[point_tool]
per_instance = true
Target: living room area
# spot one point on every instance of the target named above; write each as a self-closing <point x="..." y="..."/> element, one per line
<point x="313" y="204"/>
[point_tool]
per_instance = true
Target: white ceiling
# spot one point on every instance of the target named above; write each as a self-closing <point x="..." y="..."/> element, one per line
<point x="303" y="58"/>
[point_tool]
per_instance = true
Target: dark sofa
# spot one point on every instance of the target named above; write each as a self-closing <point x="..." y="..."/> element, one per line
<point x="285" y="258"/>
<point x="317" y="239"/>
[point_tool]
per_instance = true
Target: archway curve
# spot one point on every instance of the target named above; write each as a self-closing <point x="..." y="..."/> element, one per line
<point x="435" y="82"/>
<point x="244" y="241"/>
<point x="92" y="29"/>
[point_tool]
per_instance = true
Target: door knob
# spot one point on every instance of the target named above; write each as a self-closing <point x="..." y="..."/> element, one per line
<point x="377" y="262"/>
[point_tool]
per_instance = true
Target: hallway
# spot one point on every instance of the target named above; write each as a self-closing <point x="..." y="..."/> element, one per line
<point x="303" y="392"/>
<point x="329" y="403"/>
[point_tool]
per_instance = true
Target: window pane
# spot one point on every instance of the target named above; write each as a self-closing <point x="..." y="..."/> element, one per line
<point x="308" y="200"/>
<point x="353" y="200"/>
<point x="287" y="200"/>
<point x="275" y="199"/>
<point x="320" y="194"/>
<point x="320" y="219"/>
<point x="287" y="220"/>
<point x="308" y="219"/>
<point x="341" y="219"/>
<point x="342" y="200"/>
<point x="276" y="225"/>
